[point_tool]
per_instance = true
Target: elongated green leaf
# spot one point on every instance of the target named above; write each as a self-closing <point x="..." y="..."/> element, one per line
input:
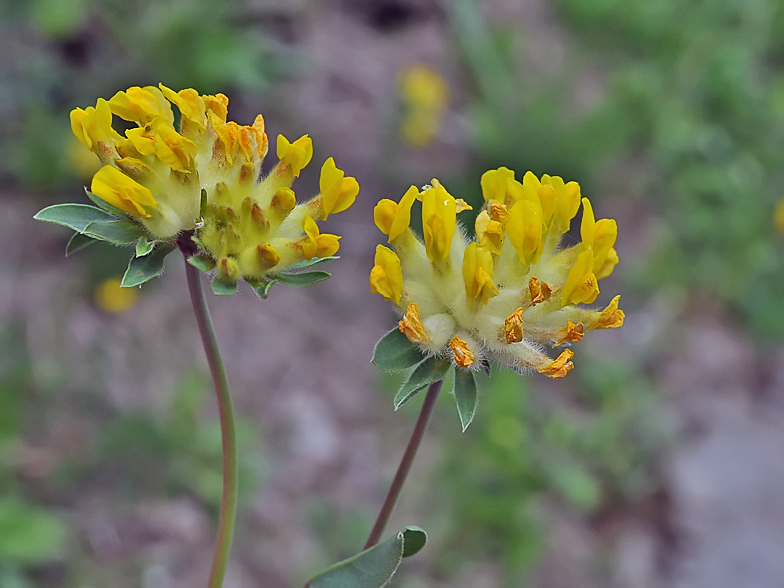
<point x="117" y="231"/>
<point x="465" y="396"/>
<point x="74" y="216"/>
<point x="106" y="206"/>
<point x="395" y="352"/>
<point x="143" y="269"/>
<point x="144" y="246"/>
<point x="429" y="371"/>
<point x="302" y="279"/>
<point x="315" y="261"/>
<point x="221" y="288"/>
<point x="77" y="242"/>
<point x="202" y="263"/>
<point x="261" y="287"/>
<point x="374" y="567"/>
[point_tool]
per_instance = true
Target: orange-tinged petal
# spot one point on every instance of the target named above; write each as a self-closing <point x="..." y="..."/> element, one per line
<point x="560" y="367"/>
<point x="463" y="355"/>
<point x="411" y="325"/>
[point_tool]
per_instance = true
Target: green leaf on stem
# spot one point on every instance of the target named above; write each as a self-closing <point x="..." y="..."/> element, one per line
<point x="203" y="263"/>
<point x="74" y="216"/>
<point x="100" y="202"/>
<point x="144" y="246"/>
<point x="77" y="242"/>
<point x="143" y="269"/>
<point x="465" y="396"/>
<point x="221" y="288"/>
<point x="395" y="352"/>
<point x="116" y="231"/>
<point x="374" y="567"/>
<point x="302" y="279"/>
<point x="429" y="371"/>
<point x="316" y="260"/>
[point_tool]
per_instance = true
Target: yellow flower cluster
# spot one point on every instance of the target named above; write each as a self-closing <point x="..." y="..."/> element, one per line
<point x="206" y="177"/>
<point x="510" y="293"/>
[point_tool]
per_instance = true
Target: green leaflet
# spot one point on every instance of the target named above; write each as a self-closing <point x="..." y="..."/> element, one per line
<point x="77" y="242"/>
<point x="74" y="216"/>
<point x="374" y="567"/>
<point x="116" y="231"/>
<point x="395" y="352"/>
<point x="302" y="279"/>
<point x="144" y="246"/>
<point x="316" y="260"/>
<point x="429" y="371"/>
<point x="202" y="263"/>
<point x="221" y="288"/>
<point x="143" y="269"/>
<point x="465" y="396"/>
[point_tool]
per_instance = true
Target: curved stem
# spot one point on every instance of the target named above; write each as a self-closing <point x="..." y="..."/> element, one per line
<point x="228" y="507"/>
<point x="405" y="463"/>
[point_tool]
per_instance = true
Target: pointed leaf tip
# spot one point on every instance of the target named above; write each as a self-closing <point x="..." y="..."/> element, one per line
<point x="144" y="269"/>
<point x="465" y="396"/>
<point x="429" y="371"/>
<point x="374" y="567"/>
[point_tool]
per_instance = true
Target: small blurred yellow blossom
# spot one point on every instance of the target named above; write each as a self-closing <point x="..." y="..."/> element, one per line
<point x="204" y="175"/>
<point x="512" y="292"/>
<point x="112" y="298"/>
<point x="778" y="216"/>
<point x="425" y="96"/>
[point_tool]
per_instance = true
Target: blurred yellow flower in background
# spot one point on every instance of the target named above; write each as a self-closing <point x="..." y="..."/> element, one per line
<point x="425" y="96"/>
<point x="110" y="297"/>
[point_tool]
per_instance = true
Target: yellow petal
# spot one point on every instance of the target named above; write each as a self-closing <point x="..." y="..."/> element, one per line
<point x="571" y="332"/>
<point x="297" y="154"/>
<point x="337" y="192"/>
<point x="489" y="233"/>
<point x="386" y="277"/>
<point x="560" y="367"/>
<point x="173" y="149"/>
<point x="513" y="327"/>
<point x="439" y="214"/>
<point x="494" y="183"/>
<point x="524" y="229"/>
<point x="611" y="317"/>
<point x="402" y="216"/>
<point x="581" y="284"/>
<point x="113" y="186"/>
<point x="478" y="274"/>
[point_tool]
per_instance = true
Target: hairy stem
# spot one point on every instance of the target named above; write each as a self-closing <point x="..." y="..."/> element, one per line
<point x="405" y="463"/>
<point x="228" y="507"/>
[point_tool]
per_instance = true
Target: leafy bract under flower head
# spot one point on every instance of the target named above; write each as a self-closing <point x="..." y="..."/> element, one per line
<point x="511" y="293"/>
<point x="204" y="175"/>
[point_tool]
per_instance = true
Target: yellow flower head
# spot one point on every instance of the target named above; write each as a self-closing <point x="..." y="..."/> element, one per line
<point x="204" y="176"/>
<point x="512" y="291"/>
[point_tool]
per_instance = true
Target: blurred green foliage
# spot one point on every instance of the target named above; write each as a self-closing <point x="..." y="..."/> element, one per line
<point x="529" y="450"/>
<point x="69" y="52"/>
<point x="689" y="122"/>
